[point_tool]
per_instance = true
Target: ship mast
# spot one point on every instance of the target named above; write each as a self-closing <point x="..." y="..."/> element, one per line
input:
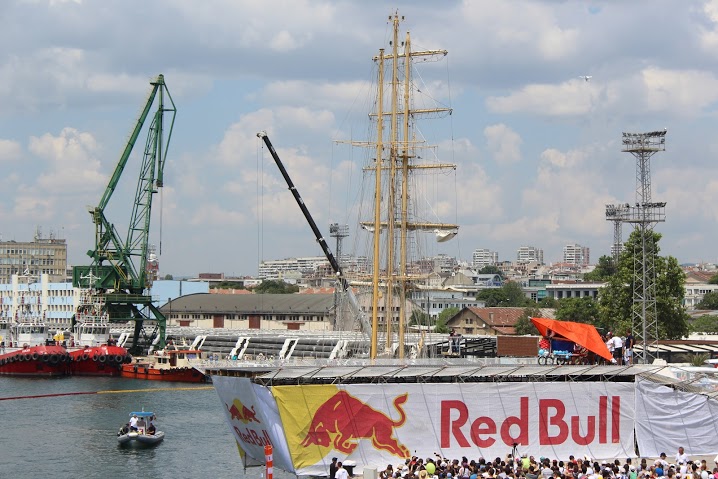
<point x="377" y="212"/>
<point x="398" y="165"/>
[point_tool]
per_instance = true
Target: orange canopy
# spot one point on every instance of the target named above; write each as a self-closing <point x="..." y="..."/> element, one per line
<point x="582" y="334"/>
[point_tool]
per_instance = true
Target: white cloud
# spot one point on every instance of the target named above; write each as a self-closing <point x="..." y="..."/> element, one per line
<point x="684" y="92"/>
<point x="568" y="192"/>
<point x="312" y="94"/>
<point x="73" y="166"/>
<point x="530" y="27"/>
<point x="504" y="143"/>
<point x="9" y="151"/>
<point x="573" y="97"/>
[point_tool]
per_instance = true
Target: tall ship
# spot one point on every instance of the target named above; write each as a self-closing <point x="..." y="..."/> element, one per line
<point x="26" y="348"/>
<point x="94" y="352"/>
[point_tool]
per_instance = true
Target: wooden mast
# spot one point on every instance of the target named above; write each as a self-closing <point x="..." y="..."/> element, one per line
<point x="404" y="194"/>
<point x="377" y="210"/>
<point x="391" y="203"/>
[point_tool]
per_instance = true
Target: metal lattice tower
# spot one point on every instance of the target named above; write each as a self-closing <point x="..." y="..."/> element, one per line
<point x="339" y="232"/>
<point x="341" y="310"/>
<point x="618" y="215"/>
<point x="644" y="215"/>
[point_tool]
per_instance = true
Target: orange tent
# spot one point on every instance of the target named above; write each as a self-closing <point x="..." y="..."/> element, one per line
<point x="582" y="334"/>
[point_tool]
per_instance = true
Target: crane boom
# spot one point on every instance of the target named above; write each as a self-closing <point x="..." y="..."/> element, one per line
<point x="363" y="320"/>
<point x="118" y="266"/>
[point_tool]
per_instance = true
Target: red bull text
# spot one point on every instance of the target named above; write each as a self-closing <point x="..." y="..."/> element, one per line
<point x="554" y="428"/>
<point x="239" y="412"/>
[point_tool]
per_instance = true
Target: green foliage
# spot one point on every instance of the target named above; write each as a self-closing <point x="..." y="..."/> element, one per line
<point x="276" y="287"/>
<point x="448" y="313"/>
<point x="616" y="299"/>
<point x="714" y="279"/>
<point x="704" y="324"/>
<point x="441" y="327"/>
<point x="709" y="301"/>
<point x="603" y="271"/>
<point x="509" y="295"/>
<point x="548" y="302"/>
<point x="698" y="359"/>
<point x="524" y="325"/>
<point x="579" y="310"/>
<point x="418" y="318"/>
<point x="491" y="269"/>
<point x="168" y="277"/>
<point x="228" y="285"/>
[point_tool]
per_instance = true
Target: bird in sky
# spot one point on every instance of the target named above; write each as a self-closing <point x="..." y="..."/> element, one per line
<point x="586" y="77"/>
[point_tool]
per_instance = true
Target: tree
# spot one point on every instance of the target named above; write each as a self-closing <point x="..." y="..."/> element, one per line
<point x="168" y="277"/>
<point x="229" y="285"/>
<point x="441" y="327"/>
<point x="616" y="298"/>
<point x="491" y="269"/>
<point x="548" y="302"/>
<point x="446" y="314"/>
<point x="705" y="324"/>
<point x="709" y="301"/>
<point x="276" y="287"/>
<point x="605" y="268"/>
<point x="509" y="295"/>
<point x="714" y="279"/>
<point x="524" y="325"/>
<point x="579" y="310"/>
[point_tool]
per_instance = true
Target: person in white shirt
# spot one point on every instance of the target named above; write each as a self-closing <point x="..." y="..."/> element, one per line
<point x="618" y="349"/>
<point x="341" y="472"/>
<point x="681" y="456"/>
<point x="133" y="423"/>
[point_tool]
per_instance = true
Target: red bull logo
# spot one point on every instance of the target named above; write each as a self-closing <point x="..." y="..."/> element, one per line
<point x="241" y="413"/>
<point x="343" y="420"/>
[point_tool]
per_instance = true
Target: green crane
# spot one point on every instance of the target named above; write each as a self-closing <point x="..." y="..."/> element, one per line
<point x="118" y="268"/>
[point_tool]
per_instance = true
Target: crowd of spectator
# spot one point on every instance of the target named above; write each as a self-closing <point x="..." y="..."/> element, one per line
<point x="528" y="467"/>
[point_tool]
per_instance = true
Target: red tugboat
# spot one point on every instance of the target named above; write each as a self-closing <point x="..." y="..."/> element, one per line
<point x="94" y="352"/>
<point x="170" y="364"/>
<point x="38" y="355"/>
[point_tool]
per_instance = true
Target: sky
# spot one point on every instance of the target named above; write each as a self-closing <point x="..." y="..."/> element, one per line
<point x="537" y="148"/>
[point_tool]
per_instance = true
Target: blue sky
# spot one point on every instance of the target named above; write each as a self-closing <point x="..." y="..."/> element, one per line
<point x="537" y="148"/>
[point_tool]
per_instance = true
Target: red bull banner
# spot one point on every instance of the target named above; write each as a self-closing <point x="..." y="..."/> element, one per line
<point x="251" y="412"/>
<point x="375" y="425"/>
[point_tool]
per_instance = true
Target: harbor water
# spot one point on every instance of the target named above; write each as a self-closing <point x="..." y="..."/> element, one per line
<point x="76" y="436"/>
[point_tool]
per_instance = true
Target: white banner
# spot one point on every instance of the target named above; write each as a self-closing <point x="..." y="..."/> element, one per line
<point x="667" y="418"/>
<point x="252" y="414"/>
<point x="377" y="425"/>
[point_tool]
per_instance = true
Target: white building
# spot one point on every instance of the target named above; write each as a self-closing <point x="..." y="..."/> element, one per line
<point x="275" y="269"/>
<point x="528" y="254"/>
<point x="576" y="254"/>
<point x="695" y="292"/>
<point x="574" y="290"/>
<point x="483" y="257"/>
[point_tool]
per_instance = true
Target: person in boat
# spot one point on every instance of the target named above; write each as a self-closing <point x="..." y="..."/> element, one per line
<point x="151" y="429"/>
<point x="133" y="423"/>
<point x="124" y="429"/>
<point x="141" y="424"/>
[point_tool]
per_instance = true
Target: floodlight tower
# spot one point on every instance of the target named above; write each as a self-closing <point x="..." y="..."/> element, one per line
<point x="340" y="308"/>
<point x="339" y="232"/>
<point x="644" y="216"/>
<point x="617" y="214"/>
